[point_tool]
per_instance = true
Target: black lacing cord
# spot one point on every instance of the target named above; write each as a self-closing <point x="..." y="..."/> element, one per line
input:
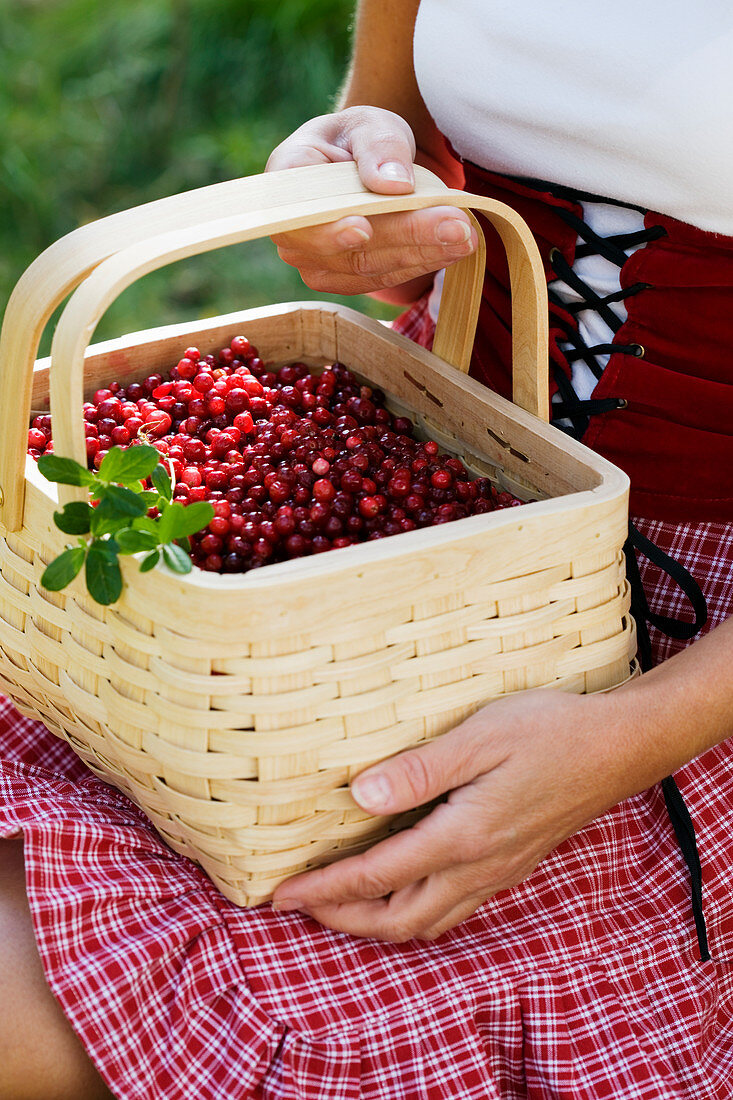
<point x="612" y="248"/>
<point x="679" y="815"/>
<point x="578" y="413"/>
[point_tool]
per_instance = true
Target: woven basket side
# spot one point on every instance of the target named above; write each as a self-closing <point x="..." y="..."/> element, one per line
<point x="243" y="762"/>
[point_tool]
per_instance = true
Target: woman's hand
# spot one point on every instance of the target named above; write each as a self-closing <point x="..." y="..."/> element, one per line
<point x="358" y="255"/>
<point x="524" y="773"/>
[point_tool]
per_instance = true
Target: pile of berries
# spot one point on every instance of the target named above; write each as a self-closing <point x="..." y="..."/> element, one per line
<point x="293" y="462"/>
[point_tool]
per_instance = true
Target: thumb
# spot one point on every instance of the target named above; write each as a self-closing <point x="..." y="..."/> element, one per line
<point x="414" y="777"/>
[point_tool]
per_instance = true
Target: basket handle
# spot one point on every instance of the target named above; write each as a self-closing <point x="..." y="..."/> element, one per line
<point x="109" y="255"/>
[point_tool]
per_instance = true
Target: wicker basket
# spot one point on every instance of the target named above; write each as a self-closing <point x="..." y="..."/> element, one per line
<point x="235" y="710"/>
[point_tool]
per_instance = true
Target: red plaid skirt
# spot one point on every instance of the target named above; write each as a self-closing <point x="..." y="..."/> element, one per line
<point x="582" y="983"/>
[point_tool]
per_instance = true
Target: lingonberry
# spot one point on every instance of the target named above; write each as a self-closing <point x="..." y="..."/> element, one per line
<point x="441" y="479"/>
<point x="186" y="367"/>
<point x="241" y="346"/>
<point x="36" y="438"/>
<point x="158" y="423"/>
<point x="294" y="461"/>
<point x="120" y="435"/>
<point x="369" y="506"/>
<point x="323" y="490"/>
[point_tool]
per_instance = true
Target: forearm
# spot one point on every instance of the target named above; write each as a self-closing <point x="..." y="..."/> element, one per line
<point x="382" y="74"/>
<point x="671" y="714"/>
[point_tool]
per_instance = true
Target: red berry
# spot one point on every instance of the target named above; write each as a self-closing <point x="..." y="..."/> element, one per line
<point x="253" y="387"/>
<point x="158" y="423"/>
<point x="186" y="367"/>
<point x="369" y="507"/>
<point x="36" y="438"/>
<point x="441" y="479"/>
<point x="241" y="346"/>
<point x="152" y="382"/>
<point x="203" y="382"/>
<point x="192" y="476"/>
<point x="324" y="491"/>
<point x="219" y="526"/>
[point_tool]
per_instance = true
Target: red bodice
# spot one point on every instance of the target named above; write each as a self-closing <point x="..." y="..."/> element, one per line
<point x="674" y="438"/>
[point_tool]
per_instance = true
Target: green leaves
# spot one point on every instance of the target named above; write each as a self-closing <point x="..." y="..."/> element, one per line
<point x="74" y="519"/>
<point x="132" y="464"/>
<point x="63" y="569"/>
<point x="65" y="470"/>
<point x="177" y="521"/>
<point x="176" y="558"/>
<point x="116" y="518"/>
<point x="121" y="501"/>
<point x="161" y="480"/>
<point x="103" y="576"/>
<point x="130" y="541"/>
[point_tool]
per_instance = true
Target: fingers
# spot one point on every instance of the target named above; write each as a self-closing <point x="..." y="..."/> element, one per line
<point x="521" y="781"/>
<point x="356" y="254"/>
<point x="423" y="235"/>
<point x="455" y="833"/>
<point x="422" y="910"/>
<point x="384" y="149"/>
<point x="380" y="142"/>
<point x="414" y="777"/>
<point x="390" y="865"/>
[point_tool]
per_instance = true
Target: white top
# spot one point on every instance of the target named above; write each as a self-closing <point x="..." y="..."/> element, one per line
<point x="631" y="99"/>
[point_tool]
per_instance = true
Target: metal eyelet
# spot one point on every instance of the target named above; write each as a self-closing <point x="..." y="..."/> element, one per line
<point x="554" y="253"/>
<point x="622" y="403"/>
<point x="640" y="351"/>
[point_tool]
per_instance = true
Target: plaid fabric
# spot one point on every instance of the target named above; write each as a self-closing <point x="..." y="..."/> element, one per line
<point x="582" y="983"/>
<point x="416" y="323"/>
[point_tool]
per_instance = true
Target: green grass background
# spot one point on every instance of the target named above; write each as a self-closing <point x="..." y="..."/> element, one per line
<point x="106" y="104"/>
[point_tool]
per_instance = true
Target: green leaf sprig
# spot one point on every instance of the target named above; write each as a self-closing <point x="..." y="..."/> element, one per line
<point x="115" y="520"/>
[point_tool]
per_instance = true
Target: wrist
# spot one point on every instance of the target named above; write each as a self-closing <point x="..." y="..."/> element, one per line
<point x="635" y="751"/>
<point x="404" y="294"/>
<point x="670" y="715"/>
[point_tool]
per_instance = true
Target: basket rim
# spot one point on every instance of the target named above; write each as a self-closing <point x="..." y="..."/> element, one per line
<point x="367" y="553"/>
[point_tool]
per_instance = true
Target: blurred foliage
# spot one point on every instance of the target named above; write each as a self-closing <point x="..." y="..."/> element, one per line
<point x="104" y="106"/>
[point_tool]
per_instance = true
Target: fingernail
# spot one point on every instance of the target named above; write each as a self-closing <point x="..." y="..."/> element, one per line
<point x="285" y="905"/>
<point x="352" y="237"/>
<point x="453" y="231"/>
<point x="372" y="792"/>
<point x="395" y="172"/>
